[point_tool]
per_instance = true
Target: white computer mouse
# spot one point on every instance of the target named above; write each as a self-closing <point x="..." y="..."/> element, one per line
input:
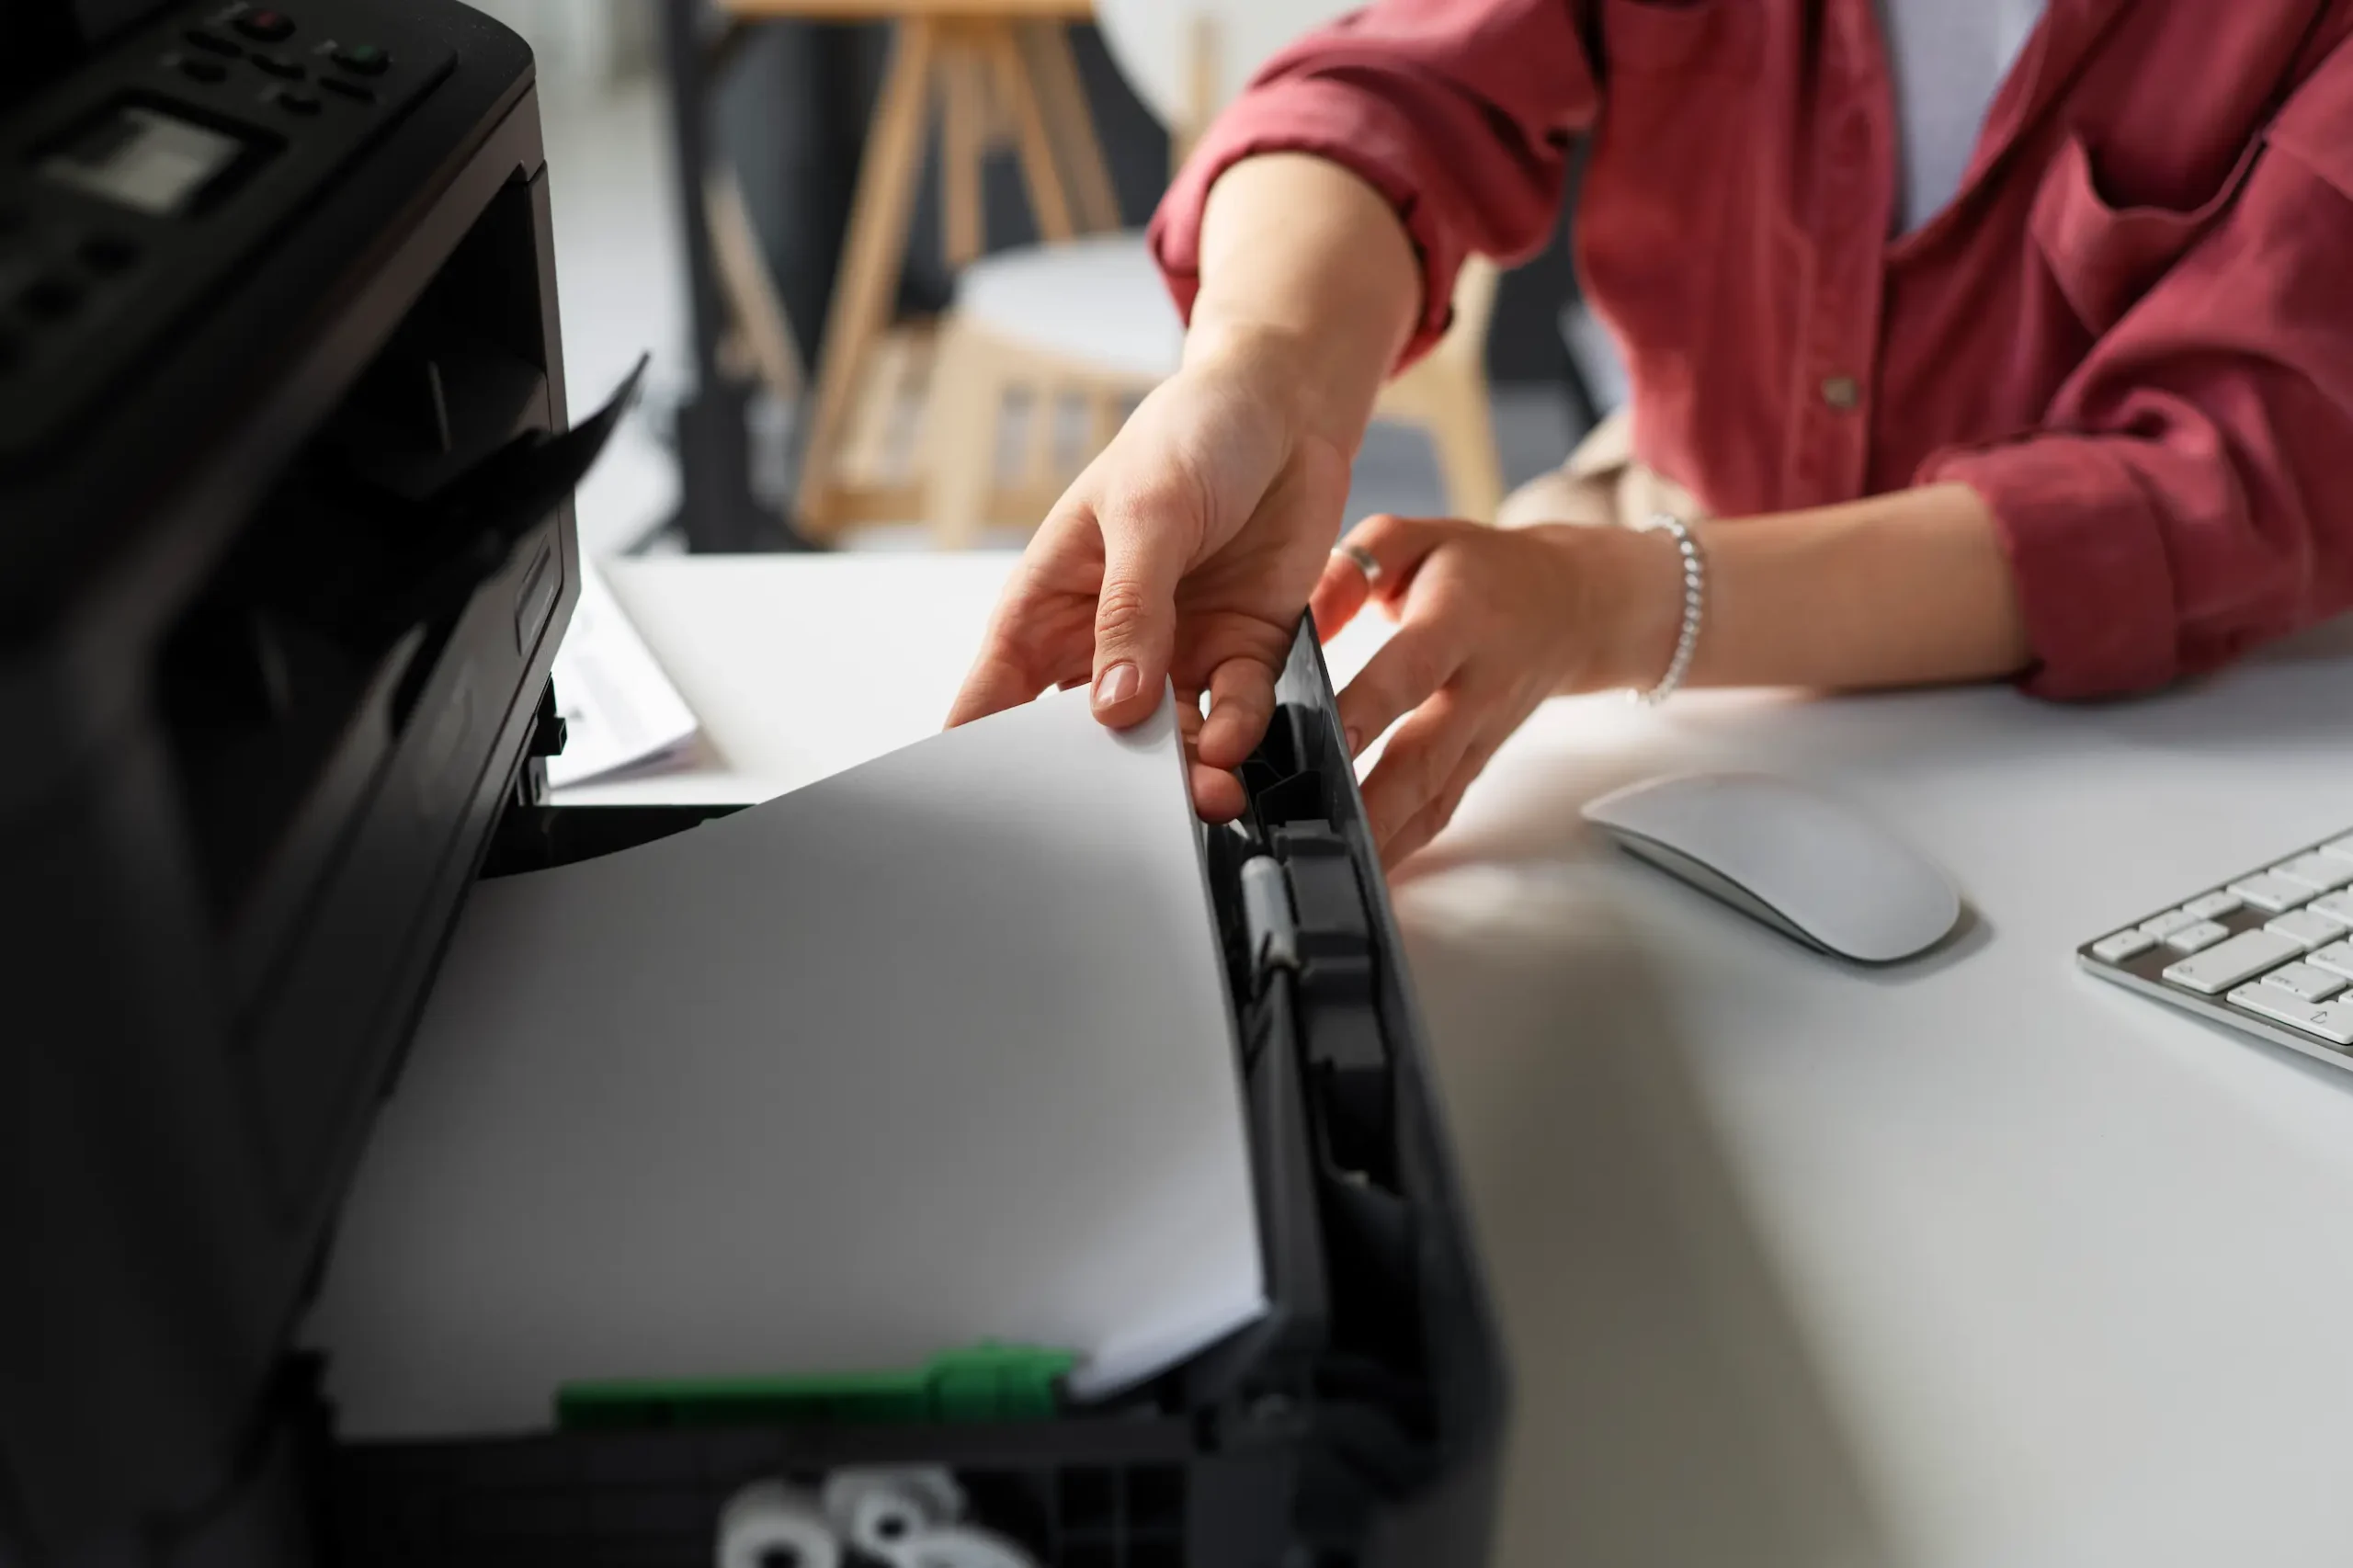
<point x="1809" y="867"/>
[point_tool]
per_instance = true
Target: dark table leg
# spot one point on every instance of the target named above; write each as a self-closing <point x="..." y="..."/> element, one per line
<point x="717" y="511"/>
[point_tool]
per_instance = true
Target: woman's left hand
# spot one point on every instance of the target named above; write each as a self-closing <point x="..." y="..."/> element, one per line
<point x="1491" y="622"/>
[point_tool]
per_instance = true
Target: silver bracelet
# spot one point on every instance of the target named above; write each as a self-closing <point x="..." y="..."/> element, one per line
<point x="1695" y="604"/>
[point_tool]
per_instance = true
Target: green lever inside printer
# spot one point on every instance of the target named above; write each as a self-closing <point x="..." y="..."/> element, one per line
<point x="987" y="1383"/>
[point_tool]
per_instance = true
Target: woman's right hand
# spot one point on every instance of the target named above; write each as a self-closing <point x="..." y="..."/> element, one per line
<point x="1186" y="551"/>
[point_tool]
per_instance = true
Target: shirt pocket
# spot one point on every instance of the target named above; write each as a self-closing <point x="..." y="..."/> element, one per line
<point x="1712" y="37"/>
<point x="2103" y="258"/>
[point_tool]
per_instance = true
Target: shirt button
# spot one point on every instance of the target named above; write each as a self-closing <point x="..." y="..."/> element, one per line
<point x="1842" y="393"/>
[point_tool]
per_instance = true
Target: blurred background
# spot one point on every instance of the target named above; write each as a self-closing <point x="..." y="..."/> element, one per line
<point x="907" y="299"/>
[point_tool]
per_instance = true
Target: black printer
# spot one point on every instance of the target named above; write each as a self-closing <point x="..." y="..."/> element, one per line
<point x="286" y="549"/>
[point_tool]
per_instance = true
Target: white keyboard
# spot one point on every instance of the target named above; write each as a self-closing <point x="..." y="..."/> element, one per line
<point x="2270" y="952"/>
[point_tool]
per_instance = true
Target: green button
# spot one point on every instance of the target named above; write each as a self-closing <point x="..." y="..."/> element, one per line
<point x="367" y="59"/>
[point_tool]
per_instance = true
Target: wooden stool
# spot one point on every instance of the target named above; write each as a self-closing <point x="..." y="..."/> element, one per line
<point x="991" y="74"/>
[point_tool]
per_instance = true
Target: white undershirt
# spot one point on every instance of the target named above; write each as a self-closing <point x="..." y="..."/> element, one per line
<point x="1948" y="58"/>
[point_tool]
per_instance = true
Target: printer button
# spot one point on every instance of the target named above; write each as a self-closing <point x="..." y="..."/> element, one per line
<point x="362" y="59"/>
<point x="343" y="90"/>
<point x="278" y="65"/>
<point x="293" y="102"/>
<point x="268" y="26"/>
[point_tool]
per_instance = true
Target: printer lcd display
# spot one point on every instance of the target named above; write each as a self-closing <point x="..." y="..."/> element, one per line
<point x="148" y="158"/>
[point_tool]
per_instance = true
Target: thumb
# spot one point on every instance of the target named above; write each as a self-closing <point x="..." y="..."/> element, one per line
<point x="1135" y="619"/>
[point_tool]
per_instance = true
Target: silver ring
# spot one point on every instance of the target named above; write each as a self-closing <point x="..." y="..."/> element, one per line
<point x="1362" y="560"/>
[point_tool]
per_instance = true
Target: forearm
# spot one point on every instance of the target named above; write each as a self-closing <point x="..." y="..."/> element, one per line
<point x="1907" y="588"/>
<point x="1302" y="261"/>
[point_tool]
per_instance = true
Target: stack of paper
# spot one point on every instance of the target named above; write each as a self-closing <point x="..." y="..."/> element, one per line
<point x="935" y="1051"/>
<point x="622" y="715"/>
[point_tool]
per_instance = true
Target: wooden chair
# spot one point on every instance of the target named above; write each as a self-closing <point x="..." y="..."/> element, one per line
<point x="990" y="76"/>
<point x="1071" y="333"/>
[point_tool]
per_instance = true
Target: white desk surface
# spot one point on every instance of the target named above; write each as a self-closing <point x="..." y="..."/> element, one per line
<point x="1978" y="1261"/>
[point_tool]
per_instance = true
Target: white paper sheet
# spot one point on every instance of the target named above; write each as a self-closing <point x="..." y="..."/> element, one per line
<point x="934" y="1051"/>
<point x="621" y="714"/>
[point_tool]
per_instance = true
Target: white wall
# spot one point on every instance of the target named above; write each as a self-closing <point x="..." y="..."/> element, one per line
<point x="583" y="44"/>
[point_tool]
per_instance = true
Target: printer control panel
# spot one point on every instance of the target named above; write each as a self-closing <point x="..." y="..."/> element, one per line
<point x="140" y="186"/>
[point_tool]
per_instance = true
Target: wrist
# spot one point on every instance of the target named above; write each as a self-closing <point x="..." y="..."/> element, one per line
<point x="1310" y="385"/>
<point x="1629" y="602"/>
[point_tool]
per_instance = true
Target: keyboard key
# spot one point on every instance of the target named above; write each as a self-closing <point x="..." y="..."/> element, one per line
<point x="2215" y="904"/>
<point x="2339" y="846"/>
<point x="2223" y="966"/>
<point x="2336" y="957"/>
<point x="2332" y="1021"/>
<point x="2122" y="945"/>
<point x="2324" y="873"/>
<point x="2197" y="936"/>
<point x="2272" y="894"/>
<point x="2336" y="906"/>
<point x="2172" y="920"/>
<point x="2305" y="983"/>
<point x="2304" y="927"/>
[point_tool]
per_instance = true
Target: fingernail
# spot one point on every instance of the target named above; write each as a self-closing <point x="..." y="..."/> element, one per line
<point x="1356" y="741"/>
<point x="1115" y="686"/>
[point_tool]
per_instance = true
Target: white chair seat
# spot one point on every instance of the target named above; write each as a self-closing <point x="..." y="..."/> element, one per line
<point x="1098" y="300"/>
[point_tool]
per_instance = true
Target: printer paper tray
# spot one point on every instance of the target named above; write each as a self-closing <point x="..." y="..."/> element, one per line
<point x="1358" y="1417"/>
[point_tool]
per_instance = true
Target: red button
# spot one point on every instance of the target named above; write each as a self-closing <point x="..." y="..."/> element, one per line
<point x="267" y="26"/>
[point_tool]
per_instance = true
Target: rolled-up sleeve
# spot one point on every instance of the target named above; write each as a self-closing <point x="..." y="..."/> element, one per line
<point x="1460" y="112"/>
<point x="2187" y="497"/>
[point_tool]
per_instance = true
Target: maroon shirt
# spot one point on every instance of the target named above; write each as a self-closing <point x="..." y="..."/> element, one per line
<point x="2132" y="331"/>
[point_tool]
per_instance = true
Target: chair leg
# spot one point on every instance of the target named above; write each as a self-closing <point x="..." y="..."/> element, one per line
<point x="1050" y="199"/>
<point x="961" y="436"/>
<point x="1055" y="73"/>
<point x="872" y="251"/>
<point x="1462" y="430"/>
<point x="750" y="292"/>
<point x="963" y="143"/>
